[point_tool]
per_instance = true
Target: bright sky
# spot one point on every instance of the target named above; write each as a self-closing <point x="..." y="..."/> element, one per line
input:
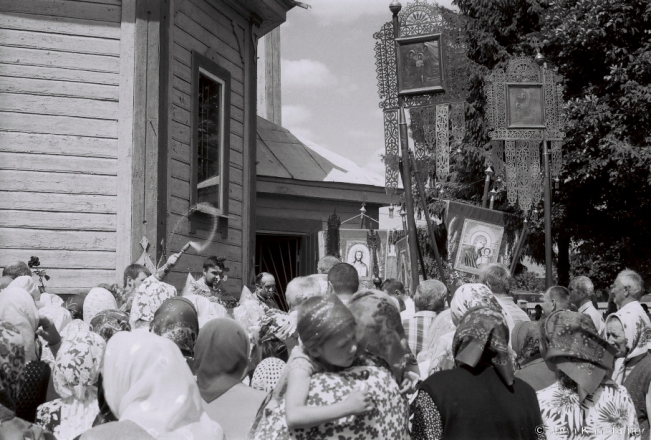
<point x="329" y="84"/>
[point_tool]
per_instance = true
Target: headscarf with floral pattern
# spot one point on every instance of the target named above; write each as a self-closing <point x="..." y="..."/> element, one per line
<point x="177" y="320"/>
<point x="109" y="322"/>
<point x="78" y="364"/>
<point x="525" y="340"/>
<point x="482" y="335"/>
<point x="148" y="298"/>
<point x="12" y="364"/>
<point x="574" y="345"/>
<point x="18" y="308"/>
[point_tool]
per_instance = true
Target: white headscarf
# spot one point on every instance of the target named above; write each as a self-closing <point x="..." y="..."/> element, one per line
<point x="147" y="299"/>
<point x="58" y="315"/>
<point x="17" y="307"/>
<point x="98" y="300"/>
<point x="48" y="299"/>
<point x="147" y="381"/>
<point x="637" y="329"/>
<point x="28" y="284"/>
<point x="206" y="309"/>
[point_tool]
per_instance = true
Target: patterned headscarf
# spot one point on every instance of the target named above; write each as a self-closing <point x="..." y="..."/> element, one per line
<point x="469" y="296"/>
<point x="574" y="346"/>
<point x="525" y="339"/>
<point x="75" y="305"/>
<point x="483" y="334"/>
<point x="267" y="374"/>
<point x="78" y="363"/>
<point x="109" y="322"/>
<point x="98" y="300"/>
<point x="17" y="307"/>
<point x="206" y="309"/>
<point x="12" y="364"/>
<point x="176" y="319"/>
<point x="76" y="326"/>
<point x="380" y="331"/>
<point x="148" y="298"/>
<point x="637" y="329"/>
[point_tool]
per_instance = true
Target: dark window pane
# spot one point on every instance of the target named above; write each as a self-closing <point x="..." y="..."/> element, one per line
<point x="209" y="141"/>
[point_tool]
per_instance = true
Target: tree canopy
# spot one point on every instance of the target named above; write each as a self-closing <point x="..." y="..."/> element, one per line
<point x="602" y="48"/>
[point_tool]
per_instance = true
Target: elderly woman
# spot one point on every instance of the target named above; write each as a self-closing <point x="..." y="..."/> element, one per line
<point x="479" y="398"/>
<point x="583" y="399"/>
<point x="629" y="331"/>
<point x="525" y="340"/>
<point x="12" y="365"/>
<point x="221" y="360"/>
<point x="151" y="391"/>
<point x="75" y="372"/>
<point x="466" y="297"/>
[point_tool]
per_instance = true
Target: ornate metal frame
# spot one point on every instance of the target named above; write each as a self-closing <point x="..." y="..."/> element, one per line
<point x="518" y="160"/>
<point x="421" y="19"/>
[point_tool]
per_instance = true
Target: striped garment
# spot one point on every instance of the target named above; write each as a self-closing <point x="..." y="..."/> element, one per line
<point x="416" y="329"/>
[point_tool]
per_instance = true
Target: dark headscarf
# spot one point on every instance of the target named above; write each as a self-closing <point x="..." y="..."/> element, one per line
<point x="12" y="364"/>
<point x="177" y="320"/>
<point x="380" y="331"/>
<point x="108" y="322"/>
<point x="482" y="335"/>
<point x="576" y="349"/>
<point x="221" y="356"/>
<point x="525" y="340"/>
<point x="75" y="305"/>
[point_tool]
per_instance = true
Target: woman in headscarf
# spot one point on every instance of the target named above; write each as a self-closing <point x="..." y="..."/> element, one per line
<point x="583" y="399"/>
<point x="77" y="366"/>
<point x="98" y="300"/>
<point x="17" y="307"/>
<point x="12" y="364"/>
<point x="442" y="325"/>
<point x="629" y="331"/>
<point x="479" y="398"/>
<point x="525" y="340"/>
<point x="28" y="284"/>
<point x="106" y="324"/>
<point x="151" y="391"/>
<point x="147" y="299"/>
<point x="221" y="359"/>
<point x="176" y="319"/>
<point x="60" y="317"/>
<point x="380" y="332"/>
<point x="466" y="297"/>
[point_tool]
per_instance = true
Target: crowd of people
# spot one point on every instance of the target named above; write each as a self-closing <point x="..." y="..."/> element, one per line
<point x="142" y="361"/>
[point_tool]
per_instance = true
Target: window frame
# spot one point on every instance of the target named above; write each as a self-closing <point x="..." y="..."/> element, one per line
<point x="209" y="68"/>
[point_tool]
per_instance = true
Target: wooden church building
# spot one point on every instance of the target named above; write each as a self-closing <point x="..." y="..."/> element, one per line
<point x="117" y="117"/>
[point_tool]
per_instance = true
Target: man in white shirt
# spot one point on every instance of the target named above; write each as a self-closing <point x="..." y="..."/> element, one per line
<point x="498" y="279"/>
<point x="581" y="292"/>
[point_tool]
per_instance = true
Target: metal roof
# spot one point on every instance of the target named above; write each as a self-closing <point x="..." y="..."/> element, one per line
<point x="281" y="154"/>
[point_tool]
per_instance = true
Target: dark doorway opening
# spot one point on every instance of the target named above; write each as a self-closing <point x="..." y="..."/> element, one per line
<point x="279" y="255"/>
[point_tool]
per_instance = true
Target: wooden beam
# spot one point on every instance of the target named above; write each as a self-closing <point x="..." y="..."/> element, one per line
<point x="272" y="77"/>
<point x="250" y="146"/>
<point x="123" y="255"/>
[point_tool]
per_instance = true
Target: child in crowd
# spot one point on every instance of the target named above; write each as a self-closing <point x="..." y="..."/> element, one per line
<point x="328" y="344"/>
<point x="327" y="331"/>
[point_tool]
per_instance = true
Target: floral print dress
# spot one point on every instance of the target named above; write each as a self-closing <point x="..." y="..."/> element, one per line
<point x="608" y="413"/>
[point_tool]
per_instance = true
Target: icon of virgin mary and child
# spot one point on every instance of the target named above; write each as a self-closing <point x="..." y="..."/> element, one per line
<point x="479" y="254"/>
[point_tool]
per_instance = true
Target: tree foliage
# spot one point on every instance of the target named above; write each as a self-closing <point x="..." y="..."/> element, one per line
<point x="602" y="48"/>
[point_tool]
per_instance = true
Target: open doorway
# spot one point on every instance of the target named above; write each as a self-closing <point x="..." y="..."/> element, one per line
<point x="278" y="255"/>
